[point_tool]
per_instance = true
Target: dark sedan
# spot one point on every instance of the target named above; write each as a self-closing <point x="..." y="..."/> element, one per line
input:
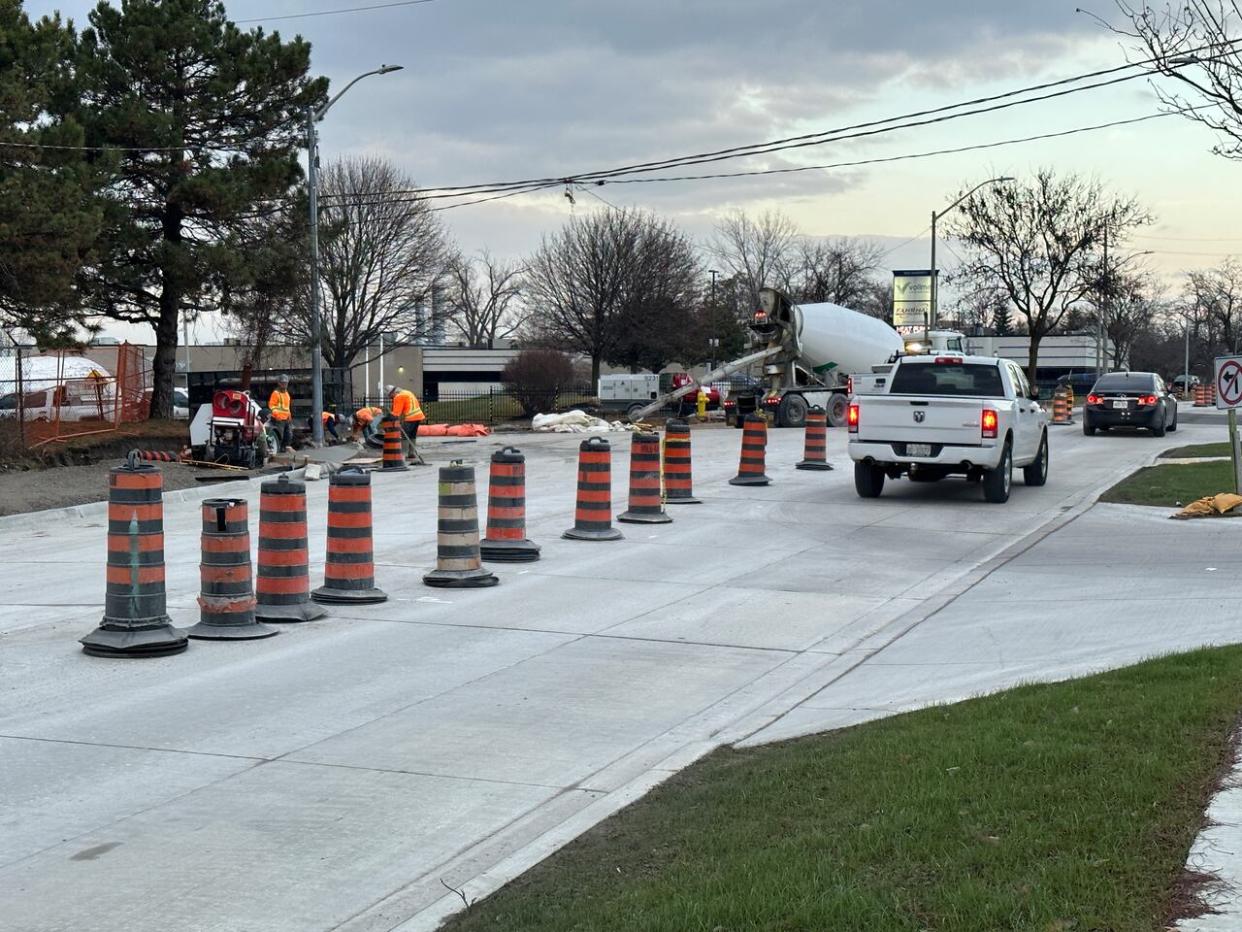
<point x="1130" y="399"/>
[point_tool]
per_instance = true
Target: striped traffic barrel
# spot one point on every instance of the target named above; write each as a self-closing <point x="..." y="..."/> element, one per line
<point x="349" y="568"/>
<point x="393" y="458"/>
<point x="459" y="564"/>
<point x="815" y="451"/>
<point x="135" y="621"/>
<point x="750" y="470"/>
<point x="593" y="514"/>
<point x="645" y="506"/>
<point x="226" y="603"/>
<point x="505" y="540"/>
<point x="282" y="579"/>
<point x="678" y="469"/>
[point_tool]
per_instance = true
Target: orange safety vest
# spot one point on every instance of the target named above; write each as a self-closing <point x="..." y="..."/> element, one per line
<point x="368" y="414"/>
<point x="280" y="404"/>
<point x="328" y="416"/>
<point x="404" y="403"/>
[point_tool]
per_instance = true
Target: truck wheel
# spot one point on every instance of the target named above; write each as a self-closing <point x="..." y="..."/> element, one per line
<point x="792" y="411"/>
<point x="632" y="411"/>
<point x="1037" y="472"/>
<point x="868" y="480"/>
<point x="838" y="407"/>
<point x="996" y="482"/>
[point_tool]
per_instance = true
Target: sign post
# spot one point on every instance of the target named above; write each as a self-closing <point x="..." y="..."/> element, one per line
<point x="1229" y="398"/>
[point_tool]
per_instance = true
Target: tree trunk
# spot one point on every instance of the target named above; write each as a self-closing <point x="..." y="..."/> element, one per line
<point x="1032" y="359"/>
<point x="595" y="361"/>
<point x="164" y="365"/>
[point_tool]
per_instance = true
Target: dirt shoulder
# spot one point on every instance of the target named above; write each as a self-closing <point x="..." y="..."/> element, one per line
<point x="62" y="486"/>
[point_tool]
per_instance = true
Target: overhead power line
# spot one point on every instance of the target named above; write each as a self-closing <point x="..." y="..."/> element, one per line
<point x="351" y="9"/>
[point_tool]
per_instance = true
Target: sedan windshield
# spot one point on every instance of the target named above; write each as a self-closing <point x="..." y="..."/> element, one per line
<point x="969" y="379"/>
<point x="1126" y="382"/>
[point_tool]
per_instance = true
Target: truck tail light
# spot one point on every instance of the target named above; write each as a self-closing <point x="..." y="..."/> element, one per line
<point x="990" y="423"/>
<point x="851" y="418"/>
<point x="1147" y="400"/>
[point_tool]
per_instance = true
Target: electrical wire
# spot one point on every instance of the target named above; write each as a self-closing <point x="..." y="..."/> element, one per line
<point x="352" y="9"/>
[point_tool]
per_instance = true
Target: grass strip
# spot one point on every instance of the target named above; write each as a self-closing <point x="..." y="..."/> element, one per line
<point x="1172" y="483"/>
<point x="1197" y="450"/>
<point x="1048" y="807"/>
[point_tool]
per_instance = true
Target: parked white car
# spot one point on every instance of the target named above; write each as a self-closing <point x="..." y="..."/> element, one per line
<point x="974" y="416"/>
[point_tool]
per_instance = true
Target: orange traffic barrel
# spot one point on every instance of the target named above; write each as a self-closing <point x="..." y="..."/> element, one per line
<point x="505" y="540"/>
<point x="393" y="459"/>
<point x="1060" y="407"/>
<point x="135" y="621"/>
<point x="1201" y="396"/>
<point x="678" y="470"/>
<point x="459" y="565"/>
<point x="645" y="506"/>
<point x="815" y="449"/>
<point x="349" y="570"/>
<point x="593" y="514"/>
<point x="226" y="605"/>
<point x="282" y="581"/>
<point x="750" y="470"/>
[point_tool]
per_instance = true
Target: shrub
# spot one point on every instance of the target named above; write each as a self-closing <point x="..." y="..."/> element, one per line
<point x="535" y="376"/>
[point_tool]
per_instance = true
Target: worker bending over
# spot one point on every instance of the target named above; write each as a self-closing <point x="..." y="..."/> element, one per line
<point x="281" y="406"/>
<point x="362" y="420"/>
<point x="404" y="406"/>
<point x="329" y="425"/>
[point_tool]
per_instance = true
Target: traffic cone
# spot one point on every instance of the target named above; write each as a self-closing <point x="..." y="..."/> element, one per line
<point x="226" y="605"/>
<point x="750" y="470"/>
<point x="135" y="621"/>
<point x="678" y="470"/>
<point x="393" y="459"/>
<point x="458" y="561"/>
<point x="815" y="451"/>
<point x="349" y="573"/>
<point x="1060" y="408"/>
<point x="593" y="514"/>
<point x="505" y="541"/>
<point x="282" y="583"/>
<point x="645" y="505"/>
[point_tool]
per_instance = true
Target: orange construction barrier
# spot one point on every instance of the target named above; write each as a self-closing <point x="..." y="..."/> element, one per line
<point x="505" y="541"/>
<point x="815" y="452"/>
<point x="645" y="505"/>
<point x="349" y="573"/>
<point x="678" y="469"/>
<point x="227" y="603"/>
<point x="393" y="459"/>
<point x="593" y="515"/>
<point x="282" y="585"/>
<point x="1060" y="407"/>
<point x="750" y="470"/>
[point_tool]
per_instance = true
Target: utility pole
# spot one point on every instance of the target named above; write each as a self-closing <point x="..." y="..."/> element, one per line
<point x="1100" y="350"/>
<point x="713" y="273"/>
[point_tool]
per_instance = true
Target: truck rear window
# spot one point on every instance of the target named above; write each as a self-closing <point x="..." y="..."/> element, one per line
<point x="969" y="379"/>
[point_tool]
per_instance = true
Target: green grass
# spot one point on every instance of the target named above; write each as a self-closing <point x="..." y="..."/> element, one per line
<point x="1198" y="450"/>
<point x="1047" y="808"/>
<point x="1169" y="484"/>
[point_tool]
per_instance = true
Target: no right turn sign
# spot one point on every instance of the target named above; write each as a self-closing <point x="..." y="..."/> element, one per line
<point x="1228" y="382"/>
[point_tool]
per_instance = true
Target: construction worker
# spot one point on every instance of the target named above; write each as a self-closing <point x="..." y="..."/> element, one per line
<point x="403" y="404"/>
<point x="329" y="425"/>
<point x="281" y="406"/>
<point x="363" y="418"/>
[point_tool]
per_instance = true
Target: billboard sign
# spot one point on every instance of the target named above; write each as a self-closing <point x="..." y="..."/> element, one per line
<point x="912" y="297"/>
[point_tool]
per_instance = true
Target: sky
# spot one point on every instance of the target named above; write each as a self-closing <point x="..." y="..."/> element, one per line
<point x="497" y="90"/>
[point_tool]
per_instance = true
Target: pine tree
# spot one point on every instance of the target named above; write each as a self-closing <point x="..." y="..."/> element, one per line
<point x="1002" y="321"/>
<point x="205" y="121"/>
<point x="48" y="218"/>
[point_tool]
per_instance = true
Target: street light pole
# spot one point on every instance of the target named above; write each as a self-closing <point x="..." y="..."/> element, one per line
<point x="933" y="316"/>
<point x="313" y="116"/>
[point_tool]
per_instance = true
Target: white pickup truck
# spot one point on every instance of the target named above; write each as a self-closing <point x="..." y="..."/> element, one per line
<point x="937" y="416"/>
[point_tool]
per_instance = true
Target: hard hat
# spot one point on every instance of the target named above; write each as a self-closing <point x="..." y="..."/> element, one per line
<point x="390" y="388"/>
<point x="284" y="378"/>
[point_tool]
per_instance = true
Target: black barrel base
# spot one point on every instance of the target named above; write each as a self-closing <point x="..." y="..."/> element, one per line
<point x="205" y="632"/>
<point x="460" y="579"/>
<point x="813" y="464"/>
<point x="749" y="480"/>
<point x="399" y="468"/>
<point x="576" y="534"/>
<point x="161" y="641"/>
<point x="687" y="500"/>
<point x="640" y="517"/>
<point x="349" y="596"/>
<point x="509" y="551"/>
<point x="289" y="614"/>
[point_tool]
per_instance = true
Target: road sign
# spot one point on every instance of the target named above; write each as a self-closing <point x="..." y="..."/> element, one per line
<point x="912" y="293"/>
<point x="1228" y="382"/>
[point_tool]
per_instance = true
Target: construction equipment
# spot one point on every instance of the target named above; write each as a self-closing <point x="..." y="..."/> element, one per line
<point x="232" y="431"/>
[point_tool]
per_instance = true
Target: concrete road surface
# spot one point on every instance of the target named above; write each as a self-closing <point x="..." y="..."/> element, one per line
<point x="339" y="775"/>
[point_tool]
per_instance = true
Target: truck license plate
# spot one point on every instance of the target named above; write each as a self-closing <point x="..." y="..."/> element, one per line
<point x="1120" y="403"/>
<point x="918" y="449"/>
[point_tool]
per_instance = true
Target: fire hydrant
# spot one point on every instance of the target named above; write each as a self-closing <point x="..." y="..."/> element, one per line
<point x="701" y="407"/>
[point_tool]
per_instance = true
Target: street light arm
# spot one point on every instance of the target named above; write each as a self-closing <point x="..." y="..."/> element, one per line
<point x="981" y="184"/>
<point x="382" y="69"/>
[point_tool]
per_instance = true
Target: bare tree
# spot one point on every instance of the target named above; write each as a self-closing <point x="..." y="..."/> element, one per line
<point x="484" y="298"/>
<point x="381" y="250"/>
<point x="657" y="323"/>
<point x="1127" y="302"/>
<point x="582" y="279"/>
<point x="758" y="252"/>
<point x="1194" y="43"/>
<point x="1039" y="242"/>
<point x="839" y="270"/>
<point x="1214" y="297"/>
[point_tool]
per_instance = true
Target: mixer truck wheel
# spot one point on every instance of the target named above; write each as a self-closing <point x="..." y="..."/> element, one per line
<point x="838" y="407"/>
<point x="792" y="412"/>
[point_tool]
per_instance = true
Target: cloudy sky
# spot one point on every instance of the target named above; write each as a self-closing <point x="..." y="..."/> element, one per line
<point x="498" y="90"/>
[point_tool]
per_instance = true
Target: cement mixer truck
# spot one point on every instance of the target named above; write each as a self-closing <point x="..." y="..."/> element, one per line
<point x="808" y="353"/>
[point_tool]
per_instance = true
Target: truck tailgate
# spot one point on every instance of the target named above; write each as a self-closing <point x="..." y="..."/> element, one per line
<point x="897" y="418"/>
